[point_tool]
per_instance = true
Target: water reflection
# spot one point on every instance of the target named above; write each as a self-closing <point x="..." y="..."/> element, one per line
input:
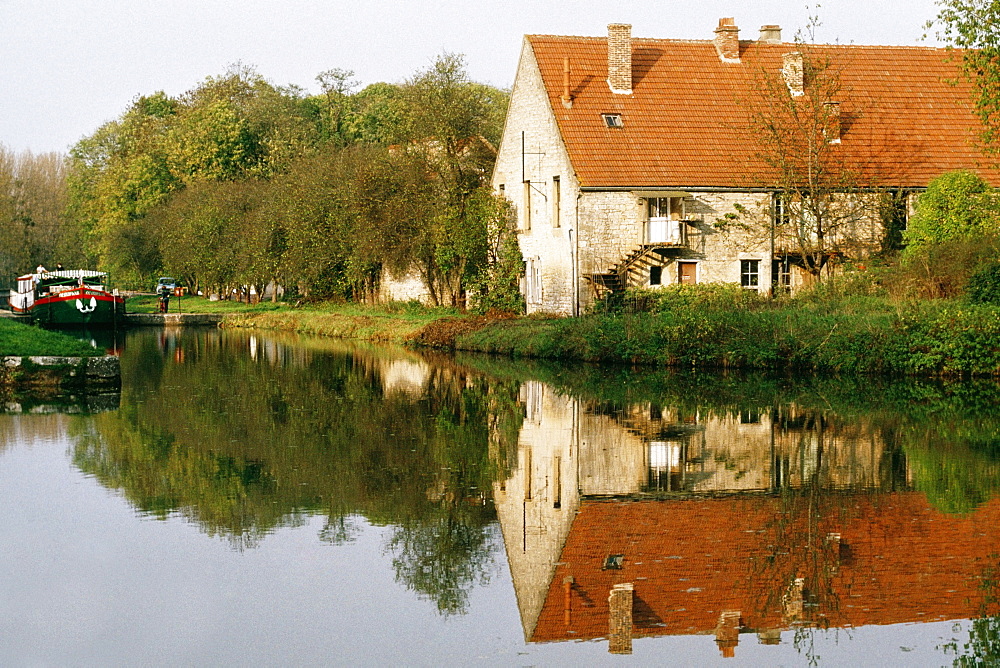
<point x="751" y="509"/>
<point x="244" y="435"/>
<point x="643" y="518"/>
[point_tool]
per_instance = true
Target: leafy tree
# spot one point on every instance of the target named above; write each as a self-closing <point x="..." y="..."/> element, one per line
<point x="33" y="221"/>
<point x="379" y="114"/>
<point x="496" y="284"/>
<point x="951" y="236"/>
<point x="974" y="27"/>
<point x="337" y="85"/>
<point x="452" y="124"/>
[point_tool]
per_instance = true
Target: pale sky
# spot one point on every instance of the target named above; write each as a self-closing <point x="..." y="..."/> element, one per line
<point x="67" y="66"/>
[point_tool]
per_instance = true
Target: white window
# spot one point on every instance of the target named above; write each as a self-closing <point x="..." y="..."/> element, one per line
<point x="750" y="274"/>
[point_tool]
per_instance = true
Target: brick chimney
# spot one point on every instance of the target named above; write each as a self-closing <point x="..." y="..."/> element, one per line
<point x="620" y="619"/>
<point x="727" y="632"/>
<point x="792" y="72"/>
<point x="727" y="41"/>
<point x="567" y="99"/>
<point x="620" y="58"/>
<point x="770" y="34"/>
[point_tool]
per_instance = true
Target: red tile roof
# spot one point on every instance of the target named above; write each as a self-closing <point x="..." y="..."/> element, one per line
<point x="898" y="560"/>
<point x="685" y="124"/>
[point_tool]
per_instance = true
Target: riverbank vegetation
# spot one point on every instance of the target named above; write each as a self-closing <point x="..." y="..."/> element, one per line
<point x="21" y="340"/>
<point x="859" y="335"/>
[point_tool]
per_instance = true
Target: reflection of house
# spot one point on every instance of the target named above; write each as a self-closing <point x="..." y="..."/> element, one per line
<point x="623" y="155"/>
<point x="761" y="565"/>
<point x="573" y="452"/>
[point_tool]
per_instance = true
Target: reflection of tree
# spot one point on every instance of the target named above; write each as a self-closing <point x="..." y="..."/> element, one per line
<point x="983" y="646"/>
<point x="443" y="558"/>
<point x="340" y="530"/>
<point x="955" y="458"/>
<point x="243" y="446"/>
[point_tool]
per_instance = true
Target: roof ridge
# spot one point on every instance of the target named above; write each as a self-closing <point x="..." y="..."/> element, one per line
<point x="675" y="40"/>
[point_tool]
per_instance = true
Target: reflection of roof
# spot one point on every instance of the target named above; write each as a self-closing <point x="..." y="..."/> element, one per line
<point x="862" y="560"/>
<point x="686" y="122"/>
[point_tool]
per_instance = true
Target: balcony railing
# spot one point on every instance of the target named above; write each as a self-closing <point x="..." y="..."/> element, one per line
<point x="667" y="231"/>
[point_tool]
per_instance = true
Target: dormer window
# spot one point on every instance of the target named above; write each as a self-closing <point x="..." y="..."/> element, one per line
<point x="612" y="120"/>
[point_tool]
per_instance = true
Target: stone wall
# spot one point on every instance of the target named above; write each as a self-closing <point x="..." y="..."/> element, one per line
<point x="546" y="232"/>
<point x="60" y="371"/>
<point x="403" y="288"/>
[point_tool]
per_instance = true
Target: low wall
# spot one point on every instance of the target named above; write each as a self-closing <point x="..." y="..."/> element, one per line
<point x="90" y="372"/>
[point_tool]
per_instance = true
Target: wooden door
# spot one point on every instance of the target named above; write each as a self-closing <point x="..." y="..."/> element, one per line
<point x="687" y="273"/>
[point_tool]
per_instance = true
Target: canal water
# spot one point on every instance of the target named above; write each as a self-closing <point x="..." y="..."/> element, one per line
<point x="258" y="499"/>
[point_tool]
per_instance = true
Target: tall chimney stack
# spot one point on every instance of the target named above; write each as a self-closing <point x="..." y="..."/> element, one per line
<point x="567" y="99"/>
<point x="727" y="41"/>
<point x="620" y="58"/>
<point x="770" y="34"/>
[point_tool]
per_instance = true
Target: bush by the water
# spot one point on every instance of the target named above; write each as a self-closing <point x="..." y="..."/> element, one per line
<point x="716" y="326"/>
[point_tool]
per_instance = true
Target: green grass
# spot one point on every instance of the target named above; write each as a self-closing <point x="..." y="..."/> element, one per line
<point x="395" y="322"/>
<point x="190" y="304"/>
<point x="21" y="340"/>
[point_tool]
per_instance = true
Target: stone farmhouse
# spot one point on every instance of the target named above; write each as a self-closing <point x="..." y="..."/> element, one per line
<point x="636" y="162"/>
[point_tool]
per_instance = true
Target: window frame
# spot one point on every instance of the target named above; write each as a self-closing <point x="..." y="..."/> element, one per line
<point x="613" y="121"/>
<point x="750" y="274"/>
<point x="780" y="214"/>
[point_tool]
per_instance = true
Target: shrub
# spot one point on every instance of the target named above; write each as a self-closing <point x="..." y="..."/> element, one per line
<point x="956" y="205"/>
<point x="984" y="285"/>
<point x="943" y="270"/>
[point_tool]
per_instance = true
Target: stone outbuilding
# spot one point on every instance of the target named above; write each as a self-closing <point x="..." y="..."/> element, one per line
<point x="636" y="162"/>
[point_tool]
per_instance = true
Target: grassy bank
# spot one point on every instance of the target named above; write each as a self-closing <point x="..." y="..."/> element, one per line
<point x="395" y="323"/>
<point x="21" y="340"/>
<point x="857" y="335"/>
<point x="699" y="327"/>
<point x="193" y="304"/>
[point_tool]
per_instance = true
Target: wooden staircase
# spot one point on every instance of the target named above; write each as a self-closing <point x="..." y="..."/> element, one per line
<point x="630" y="270"/>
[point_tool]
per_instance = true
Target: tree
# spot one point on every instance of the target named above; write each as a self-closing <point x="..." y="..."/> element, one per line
<point x="974" y="27"/>
<point x="337" y="85"/>
<point x="452" y="124"/>
<point x="953" y="234"/>
<point x="820" y="210"/>
<point x="33" y="222"/>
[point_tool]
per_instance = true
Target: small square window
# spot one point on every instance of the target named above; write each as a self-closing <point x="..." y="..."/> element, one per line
<point x="612" y="120"/>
